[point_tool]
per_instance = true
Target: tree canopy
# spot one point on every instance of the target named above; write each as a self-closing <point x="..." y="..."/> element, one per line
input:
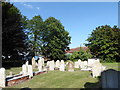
<point x="13" y="36"/>
<point x="55" y="39"/>
<point x="35" y="31"/>
<point x="104" y="43"/>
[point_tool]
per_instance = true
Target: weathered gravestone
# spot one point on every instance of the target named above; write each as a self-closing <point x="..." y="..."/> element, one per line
<point x="97" y="68"/>
<point x="76" y="64"/>
<point x="2" y="77"/>
<point x="24" y="69"/>
<point x="51" y="65"/>
<point x="57" y="64"/>
<point x="110" y="79"/>
<point x="42" y="60"/>
<point x="40" y="63"/>
<point x="92" y="61"/>
<point x="27" y="62"/>
<point x="48" y="63"/>
<point x="70" y="66"/>
<point x="30" y="71"/>
<point x="79" y="62"/>
<point x="82" y="65"/>
<point x="62" y="65"/>
<point x="33" y="62"/>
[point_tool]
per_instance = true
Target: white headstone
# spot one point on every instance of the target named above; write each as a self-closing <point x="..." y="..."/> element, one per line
<point x="97" y="69"/>
<point x="76" y="64"/>
<point x="86" y="64"/>
<point x="40" y="65"/>
<point x="57" y="64"/>
<point x="62" y="65"/>
<point x="42" y="61"/>
<point x="92" y="61"/>
<point x="79" y="62"/>
<point x="82" y="65"/>
<point x="24" y="69"/>
<point x="51" y="65"/>
<point x="2" y="77"/>
<point x="48" y="63"/>
<point x="33" y="62"/>
<point x="26" y="63"/>
<point x="30" y="71"/>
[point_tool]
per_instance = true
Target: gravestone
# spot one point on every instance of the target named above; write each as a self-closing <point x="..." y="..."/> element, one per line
<point x="24" y="69"/>
<point x="48" y="63"/>
<point x="96" y="69"/>
<point x="62" y="65"/>
<point x="40" y="62"/>
<point x="79" y="62"/>
<point x="92" y="61"/>
<point x="57" y="64"/>
<point x="70" y="66"/>
<point x="51" y="65"/>
<point x="30" y="71"/>
<point x="33" y="62"/>
<point x="110" y="79"/>
<point x="85" y="64"/>
<point x="2" y="77"/>
<point x="82" y="65"/>
<point x="36" y="64"/>
<point x="26" y="63"/>
<point x="76" y="65"/>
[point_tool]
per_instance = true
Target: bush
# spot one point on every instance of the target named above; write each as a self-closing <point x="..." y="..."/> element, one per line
<point x="81" y="54"/>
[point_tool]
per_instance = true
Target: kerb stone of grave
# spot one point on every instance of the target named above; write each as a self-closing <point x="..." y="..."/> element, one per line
<point x="2" y="77"/>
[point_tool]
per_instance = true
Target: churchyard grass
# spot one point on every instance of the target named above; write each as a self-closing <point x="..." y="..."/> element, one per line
<point x="60" y="79"/>
<point x="115" y="66"/>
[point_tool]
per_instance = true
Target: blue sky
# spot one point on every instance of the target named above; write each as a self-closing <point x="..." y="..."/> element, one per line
<point x="78" y="18"/>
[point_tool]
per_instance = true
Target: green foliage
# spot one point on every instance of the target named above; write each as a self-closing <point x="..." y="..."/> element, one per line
<point x="81" y="54"/>
<point x="13" y="36"/>
<point x="35" y="31"/>
<point x="68" y="56"/>
<point x="104" y="43"/>
<point x="55" y="39"/>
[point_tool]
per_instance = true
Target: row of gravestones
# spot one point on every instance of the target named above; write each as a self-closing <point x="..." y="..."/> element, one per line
<point x="110" y="78"/>
<point x="40" y="62"/>
<point x="91" y="65"/>
<point x="26" y="70"/>
<point x="60" y="65"/>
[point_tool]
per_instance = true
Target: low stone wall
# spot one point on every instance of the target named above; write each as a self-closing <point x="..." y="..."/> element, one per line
<point x="16" y="80"/>
<point x="20" y="78"/>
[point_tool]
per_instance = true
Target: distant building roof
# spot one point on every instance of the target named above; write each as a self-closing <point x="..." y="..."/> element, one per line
<point x="76" y="49"/>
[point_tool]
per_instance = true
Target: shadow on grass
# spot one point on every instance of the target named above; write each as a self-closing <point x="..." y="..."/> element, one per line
<point x="93" y="86"/>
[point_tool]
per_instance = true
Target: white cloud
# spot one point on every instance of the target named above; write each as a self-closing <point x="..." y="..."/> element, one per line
<point x="38" y="8"/>
<point x="28" y="5"/>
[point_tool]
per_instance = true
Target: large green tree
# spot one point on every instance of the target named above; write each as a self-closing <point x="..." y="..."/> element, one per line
<point x="35" y="31"/>
<point x="104" y="43"/>
<point x="13" y="36"/>
<point x="55" y="39"/>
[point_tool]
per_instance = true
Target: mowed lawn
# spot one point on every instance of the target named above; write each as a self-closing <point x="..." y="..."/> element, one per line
<point x="59" y="79"/>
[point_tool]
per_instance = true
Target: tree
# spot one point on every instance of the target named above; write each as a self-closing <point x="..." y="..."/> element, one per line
<point x="55" y="39"/>
<point x="13" y="36"/>
<point x="35" y="31"/>
<point x="81" y="54"/>
<point x="104" y="43"/>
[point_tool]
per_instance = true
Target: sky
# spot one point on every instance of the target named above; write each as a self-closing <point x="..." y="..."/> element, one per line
<point x="78" y="18"/>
